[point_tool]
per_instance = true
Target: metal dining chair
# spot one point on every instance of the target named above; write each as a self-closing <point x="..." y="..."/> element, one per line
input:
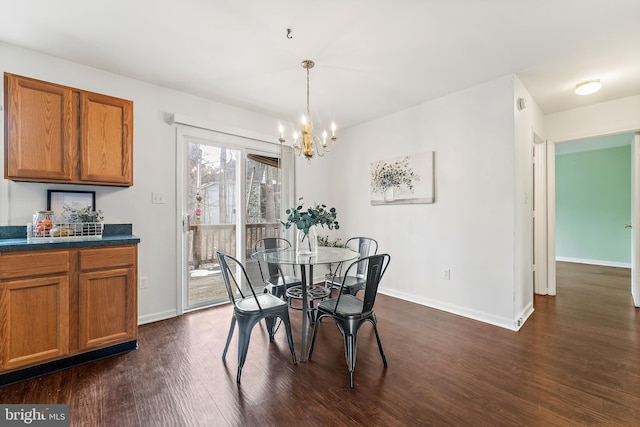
<point x="278" y="283"/>
<point x="351" y="280"/>
<point x="275" y="280"/>
<point x="350" y="313"/>
<point x="250" y="309"/>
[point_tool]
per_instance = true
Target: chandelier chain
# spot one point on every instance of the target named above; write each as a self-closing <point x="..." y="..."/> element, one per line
<point x="308" y="116"/>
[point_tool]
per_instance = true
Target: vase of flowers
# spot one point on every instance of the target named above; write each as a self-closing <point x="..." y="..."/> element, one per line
<point x="306" y="221"/>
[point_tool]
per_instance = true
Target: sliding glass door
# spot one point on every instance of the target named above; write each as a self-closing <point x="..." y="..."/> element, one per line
<point x="212" y="207"/>
<point x="231" y="197"/>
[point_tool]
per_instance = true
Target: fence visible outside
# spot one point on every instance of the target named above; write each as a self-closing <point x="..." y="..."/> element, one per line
<point x="205" y="282"/>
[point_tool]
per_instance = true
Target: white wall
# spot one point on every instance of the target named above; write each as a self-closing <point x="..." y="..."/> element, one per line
<point x="526" y="122"/>
<point x="471" y="227"/>
<point x="613" y="117"/>
<point x="154" y="166"/>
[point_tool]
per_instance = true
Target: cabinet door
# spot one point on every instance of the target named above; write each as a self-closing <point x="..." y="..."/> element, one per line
<point x="106" y="144"/>
<point x="34" y="320"/>
<point x="107" y="307"/>
<point x="40" y="134"/>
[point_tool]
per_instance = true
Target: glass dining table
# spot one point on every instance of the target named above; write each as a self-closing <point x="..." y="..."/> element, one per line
<point x="324" y="256"/>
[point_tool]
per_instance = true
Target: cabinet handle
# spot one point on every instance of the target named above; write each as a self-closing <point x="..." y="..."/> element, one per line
<point x="628" y="226"/>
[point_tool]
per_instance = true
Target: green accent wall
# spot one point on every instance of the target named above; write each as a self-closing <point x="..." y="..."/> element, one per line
<point x="593" y="203"/>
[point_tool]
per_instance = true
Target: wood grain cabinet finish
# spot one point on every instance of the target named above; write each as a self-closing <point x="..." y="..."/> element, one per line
<point x="59" y="134"/>
<point x="34" y="310"/>
<point x="107" y="297"/>
<point x="60" y="303"/>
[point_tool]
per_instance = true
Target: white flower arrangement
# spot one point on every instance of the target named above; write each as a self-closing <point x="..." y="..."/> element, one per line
<point x="385" y="175"/>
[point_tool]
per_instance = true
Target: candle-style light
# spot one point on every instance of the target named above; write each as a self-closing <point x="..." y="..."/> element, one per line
<point x="310" y="145"/>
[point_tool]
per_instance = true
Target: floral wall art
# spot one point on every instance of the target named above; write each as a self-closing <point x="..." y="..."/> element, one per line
<point x="403" y="180"/>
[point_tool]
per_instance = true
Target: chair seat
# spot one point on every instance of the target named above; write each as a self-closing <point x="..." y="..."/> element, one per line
<point x="349" y="306"/>
<point x="277" y="286"/>
<point x="288" y="281"/>
<point x="267" y="302"/>
<point x="349" y="281"/>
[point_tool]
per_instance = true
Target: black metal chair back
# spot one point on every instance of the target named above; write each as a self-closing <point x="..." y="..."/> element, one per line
<point x="277" y="281"/>
<point x="230" y="280"/>
<point x="271" y="244"/>
<point x="352" y="278"/>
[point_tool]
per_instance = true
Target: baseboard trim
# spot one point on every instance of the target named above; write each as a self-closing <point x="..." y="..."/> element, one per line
<point x="155" y="317"/>
<point x="503" y="322"/>
<point x="594" y="262"/>
<point x="67" y="362"/>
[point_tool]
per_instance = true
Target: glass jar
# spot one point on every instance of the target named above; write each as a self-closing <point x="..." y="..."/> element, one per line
<point x="307" y="244"/>
<point x="43" y="222"/>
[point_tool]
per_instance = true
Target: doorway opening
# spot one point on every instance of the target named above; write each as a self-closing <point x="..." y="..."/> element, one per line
<point x="599" y="198"/>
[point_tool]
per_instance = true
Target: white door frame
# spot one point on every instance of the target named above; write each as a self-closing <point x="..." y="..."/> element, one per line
<point x="191" y="129"/>
<point x="635" y="217"/>
<point x="540" y="283"/>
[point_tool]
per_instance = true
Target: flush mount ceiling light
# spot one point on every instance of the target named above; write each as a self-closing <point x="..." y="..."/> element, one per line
<point x="588" y="87"/>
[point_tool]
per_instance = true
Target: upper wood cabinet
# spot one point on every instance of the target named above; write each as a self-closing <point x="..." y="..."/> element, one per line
<point x="59" y="134"/>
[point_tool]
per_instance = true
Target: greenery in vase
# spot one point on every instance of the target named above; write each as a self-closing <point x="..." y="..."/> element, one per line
<point x="85" y="214"/>
<point x="386" y="175"/>
<point x="305" y="218"/>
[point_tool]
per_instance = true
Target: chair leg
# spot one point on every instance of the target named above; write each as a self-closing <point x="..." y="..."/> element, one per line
<point x="270" y="322"/>
<point x="375" y="329"/>
<point x="245" y="326"/>
<point x="287" y="326"/>
<point x="316" y="325"/>
<point x="350" y="348"/>
<point x="226" y="346"/>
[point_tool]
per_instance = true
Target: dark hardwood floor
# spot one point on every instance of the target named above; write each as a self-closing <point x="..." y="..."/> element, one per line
<point x="576" y="361"/>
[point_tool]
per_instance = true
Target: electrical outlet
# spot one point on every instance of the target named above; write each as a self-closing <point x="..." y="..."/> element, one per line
<point x="157" y="198"/>
<point x="142" y="283"/>
<point x="446" y="274"/>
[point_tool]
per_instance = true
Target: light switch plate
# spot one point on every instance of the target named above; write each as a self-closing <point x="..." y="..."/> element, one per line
<point x="157" y="198"/>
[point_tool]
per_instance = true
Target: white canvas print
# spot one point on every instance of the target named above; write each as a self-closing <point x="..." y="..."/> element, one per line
<point x="403" y="180"/>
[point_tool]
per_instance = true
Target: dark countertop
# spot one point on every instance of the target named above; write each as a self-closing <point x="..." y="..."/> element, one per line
<point x="14" y="238"/>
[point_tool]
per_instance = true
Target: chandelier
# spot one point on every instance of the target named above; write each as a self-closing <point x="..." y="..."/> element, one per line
<point x="306" y="144"/>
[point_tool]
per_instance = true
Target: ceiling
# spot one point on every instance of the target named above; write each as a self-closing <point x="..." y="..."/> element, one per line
<point x="373" y="57"/>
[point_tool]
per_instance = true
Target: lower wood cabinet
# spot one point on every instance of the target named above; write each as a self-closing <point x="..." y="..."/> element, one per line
<point x="35" y="320"/>
<point x="63" y="303"/>
<point x="106" y="297"/>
